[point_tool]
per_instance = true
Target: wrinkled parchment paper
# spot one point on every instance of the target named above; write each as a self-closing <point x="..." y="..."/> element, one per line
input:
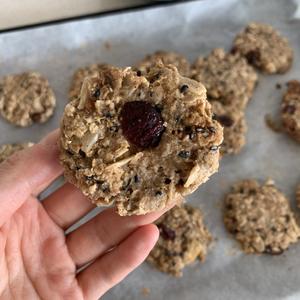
<point x="192" y="28"/>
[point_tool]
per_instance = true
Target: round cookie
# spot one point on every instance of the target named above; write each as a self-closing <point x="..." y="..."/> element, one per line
<point x="227" y="77"/>
<point x="80" y="74"/>
<point x="183" y="238"/>
<point x="260" y="218"/>
<point x="298" y="195"/>
<point x="7" y="150"/>
<point x="264" y="48"/>
<point x="26" y="98"/>
<point x="290" y="110"/>
<point x="234" y="126"/>
<point x="139" y="141"/>
<point x="167" y="58"/>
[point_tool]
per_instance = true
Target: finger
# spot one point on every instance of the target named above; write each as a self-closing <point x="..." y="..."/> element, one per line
<point x="26" y="173"/>
<point x="67" y="205"/>
<point x="103" y="232"/>
<point x="114" y="266"/>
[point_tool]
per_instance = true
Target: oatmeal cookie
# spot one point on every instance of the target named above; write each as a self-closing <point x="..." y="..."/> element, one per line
<point x="140" y="141"/>
<point x="234" y="125"/>
<point x="183" y="239"/>
<point x="260" y="217"/>
<point x="264" y="48"/>
<point x="26" y="98"/>
<point x="80" y="74"/>
<point x="298" y="195"/>
<point x="227" y="77"/>
<point x="290" y="110"/>
<point x="176" y="59"/>
<point x="7" y="150"/>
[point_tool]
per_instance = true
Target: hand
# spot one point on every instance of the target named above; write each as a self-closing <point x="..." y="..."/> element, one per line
<point x="37" y="259"/>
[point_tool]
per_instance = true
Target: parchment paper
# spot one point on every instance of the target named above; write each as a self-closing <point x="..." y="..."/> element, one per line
<point x="193" y="28"/>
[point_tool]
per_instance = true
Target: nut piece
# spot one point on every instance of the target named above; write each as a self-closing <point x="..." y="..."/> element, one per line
<point x="264" y="48"/>
<point x="260" y="218"/>
<point x="26" y="99"/>
<point x="183" y="239"/>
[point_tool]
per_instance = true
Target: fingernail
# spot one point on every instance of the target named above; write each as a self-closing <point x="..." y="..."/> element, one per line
<point x="51" y="139"/>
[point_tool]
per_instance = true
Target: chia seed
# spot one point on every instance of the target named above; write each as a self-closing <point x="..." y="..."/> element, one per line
<point x="184" y="88"/>
<point x="184" y="154"/>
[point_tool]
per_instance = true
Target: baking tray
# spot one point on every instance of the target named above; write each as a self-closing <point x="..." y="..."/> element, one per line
<point x="192" y="28"/>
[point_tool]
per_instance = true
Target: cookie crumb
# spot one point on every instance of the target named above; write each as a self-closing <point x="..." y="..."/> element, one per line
<point x="272" y="124"/>
<point x="278" y="86"/>
<point x="145" y="291"/>
<point x="107" y="45"/>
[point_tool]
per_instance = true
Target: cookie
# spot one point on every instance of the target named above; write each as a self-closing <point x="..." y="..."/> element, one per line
<point x="26" y="99"/>
<point x="139" y="141"/>
<point x="234" y="126"/>
<point x="290" y="110"/>
<point x="80" y="74"/>
<point x="264" y="48"/>
<point x="298" y="195"/>
<point x="227" y="77"/>
<point x="176" y="59"/>
<point x="260" y="218"/>
<point x="183" y="238"/>
<point x="7" y="150"/>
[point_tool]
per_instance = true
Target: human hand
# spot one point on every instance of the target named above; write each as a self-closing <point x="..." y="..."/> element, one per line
<point x="37" y="259"/>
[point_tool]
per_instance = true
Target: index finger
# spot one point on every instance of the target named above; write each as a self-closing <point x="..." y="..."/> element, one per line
<point x="27" y="173"/>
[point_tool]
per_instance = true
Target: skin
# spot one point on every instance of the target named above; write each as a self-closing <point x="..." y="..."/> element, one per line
<point x="37" y="259"/>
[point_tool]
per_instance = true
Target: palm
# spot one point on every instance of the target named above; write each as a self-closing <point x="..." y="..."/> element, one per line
<point x="36" y="256"/>
<point x="37" y="259"/>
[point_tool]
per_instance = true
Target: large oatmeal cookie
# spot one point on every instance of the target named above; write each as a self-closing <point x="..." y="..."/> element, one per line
<point x="260" y="218"/>
<point x="290" y="110"/>
<point x="264" y="48"/>
<point x="26" y="98"/>
<point x="139" y="141"/>
<point x="183" y="239"/>
<point x="227" y="77"/>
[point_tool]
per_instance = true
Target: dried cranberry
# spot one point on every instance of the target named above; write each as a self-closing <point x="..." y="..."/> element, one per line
<point x="225" y="120"/>
<point x="142" y="124"/>
<point x="253" y="57"/>
<point x="166" y="232"/>
<point x="289" y="109"/>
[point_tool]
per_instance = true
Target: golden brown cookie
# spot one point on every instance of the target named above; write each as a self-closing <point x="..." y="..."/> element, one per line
<point x="176" y="59"/>
<point x="183" y="239"/>
<point x="290" y="110"/>
<point x="234" y="127"/>
<point x="260" y="217"/>
<point x="227" y="77"/>
<point x="141" y="141"/>
<point x="264" y="48"/>
<point x="26" y="98"/>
